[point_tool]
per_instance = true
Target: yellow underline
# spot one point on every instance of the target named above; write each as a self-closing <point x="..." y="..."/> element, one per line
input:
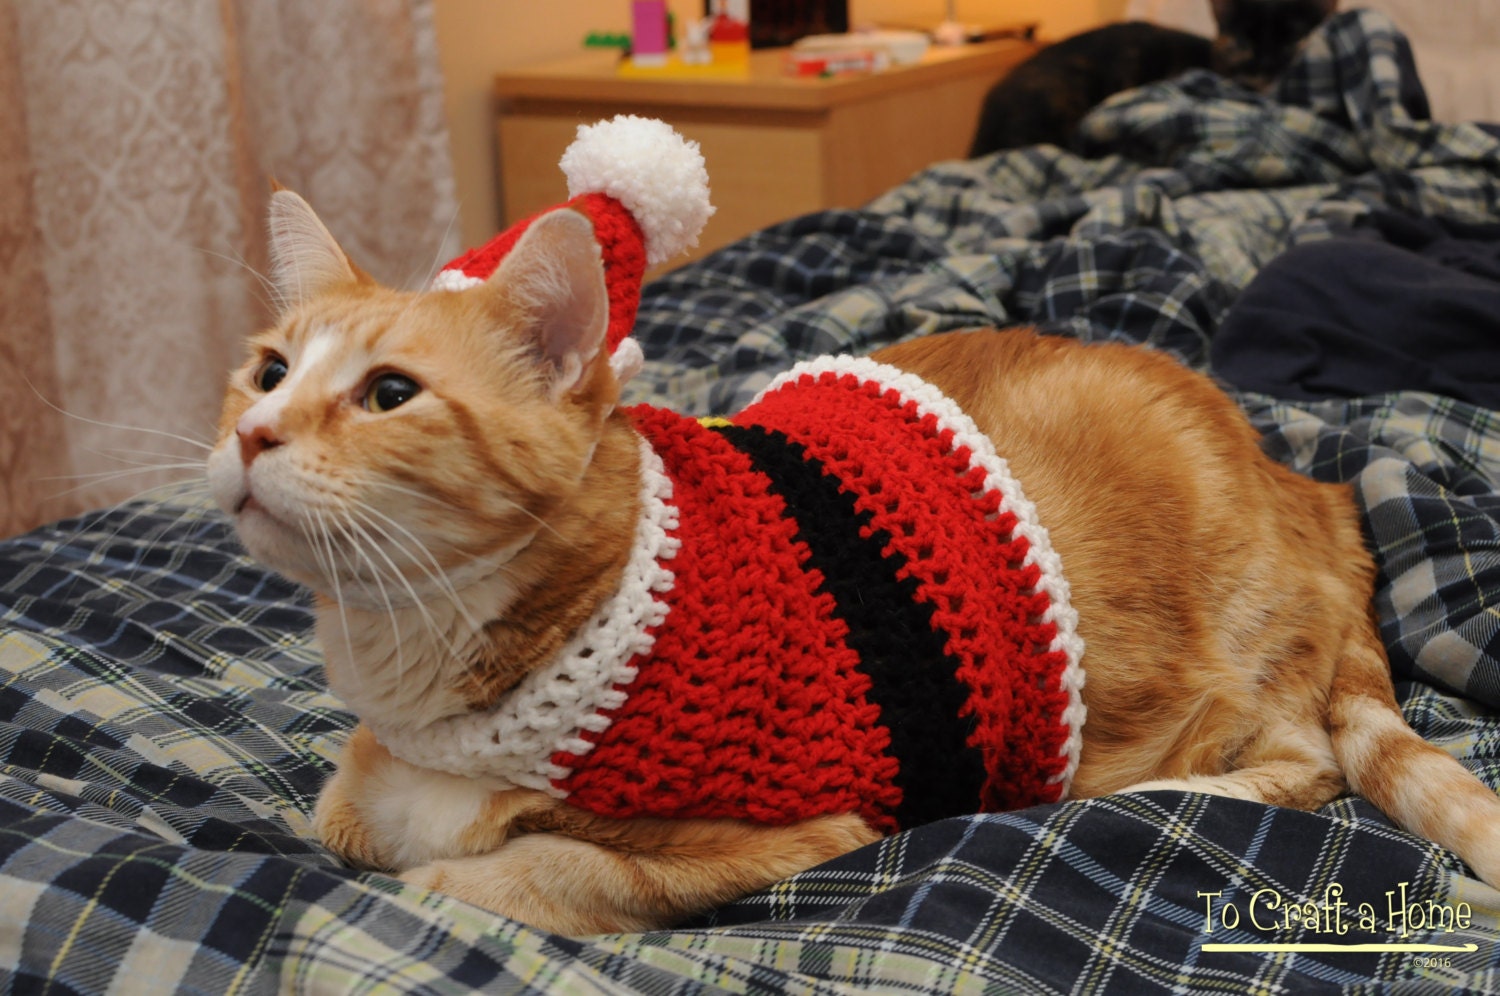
<point x="1339" y="948"/>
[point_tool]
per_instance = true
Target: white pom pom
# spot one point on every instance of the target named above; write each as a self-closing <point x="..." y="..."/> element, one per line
<point x="656" y="173"/>
<point x="627" y="360"/>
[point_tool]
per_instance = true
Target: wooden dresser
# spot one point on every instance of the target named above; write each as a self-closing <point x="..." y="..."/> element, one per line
<point x="776" y="146"/>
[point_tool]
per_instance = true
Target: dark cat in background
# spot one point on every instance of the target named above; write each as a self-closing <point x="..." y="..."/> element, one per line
<point x="1258" y="38"/>
<point x="1043" y="99"/>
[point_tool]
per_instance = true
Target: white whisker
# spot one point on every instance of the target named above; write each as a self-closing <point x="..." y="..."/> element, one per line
<point x="439" y="636"/>
<point x="198" y="443"/>
<point x="331" y="569"/>
<point x="387" y="485"/>
<point x="390" y="608"/>
<point x="269" y="297"/>
<point x="94" y="543"/>
<point x="141" y="454"/>
<point x="440" y="254"/>
<point x="435" y="573"/>
<point x="447" y="589"/>
<point x="105" y="476"/>
<point x="93" y="524"/>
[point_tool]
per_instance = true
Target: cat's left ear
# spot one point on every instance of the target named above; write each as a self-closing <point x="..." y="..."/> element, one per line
<point x="305" y="259"/>
<point x="555" y="275"/>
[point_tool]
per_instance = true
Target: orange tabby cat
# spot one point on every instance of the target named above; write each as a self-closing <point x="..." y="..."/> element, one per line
<point x="449" y="473"/>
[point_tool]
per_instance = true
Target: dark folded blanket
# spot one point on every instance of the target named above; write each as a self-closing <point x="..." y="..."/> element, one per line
<point x="1401" y="303"/>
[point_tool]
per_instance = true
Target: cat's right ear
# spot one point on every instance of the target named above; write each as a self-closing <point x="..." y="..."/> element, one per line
<point x="554" y="279"/>
<point x="305" y="259"/>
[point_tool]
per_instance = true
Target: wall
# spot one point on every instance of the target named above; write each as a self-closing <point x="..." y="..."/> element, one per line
<point x="477" y="38"/>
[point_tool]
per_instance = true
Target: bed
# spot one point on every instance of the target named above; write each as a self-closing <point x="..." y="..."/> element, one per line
<point x="1327" y="252"/>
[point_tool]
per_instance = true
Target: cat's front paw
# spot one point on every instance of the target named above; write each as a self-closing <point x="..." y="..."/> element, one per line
<point x="549" y="897"/>
<point x="1231" y="786"/>
<point x="474" y="882"/>
<point x="1168" y="785"/>
<point x="343" y="830"/>
<point x="342" y="817"/>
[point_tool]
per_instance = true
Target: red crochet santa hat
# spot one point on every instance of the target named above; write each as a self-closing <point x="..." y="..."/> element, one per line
<point x="645" y="189"/>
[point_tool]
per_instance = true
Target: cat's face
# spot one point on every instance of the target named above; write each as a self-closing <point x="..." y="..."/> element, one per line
<point x="379" y="446"/>
<point x="1258" y="39"/>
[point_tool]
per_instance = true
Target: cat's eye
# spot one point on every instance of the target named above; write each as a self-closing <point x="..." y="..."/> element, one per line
<point x="270" y="373"/>
<point x="390" y="391"/>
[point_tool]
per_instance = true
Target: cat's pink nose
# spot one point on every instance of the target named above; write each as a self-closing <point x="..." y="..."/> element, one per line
<point x="255" y="438"/>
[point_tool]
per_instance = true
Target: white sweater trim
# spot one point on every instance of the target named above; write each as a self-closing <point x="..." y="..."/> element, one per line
<point x="454" y="279"/>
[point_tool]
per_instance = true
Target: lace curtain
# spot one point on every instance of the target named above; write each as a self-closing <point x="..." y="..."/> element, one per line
<point x="137" y="141"/>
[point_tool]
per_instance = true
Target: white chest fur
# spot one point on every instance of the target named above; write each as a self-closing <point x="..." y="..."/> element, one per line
<point x="395" y="668"/>
<point x="416" y="815"/>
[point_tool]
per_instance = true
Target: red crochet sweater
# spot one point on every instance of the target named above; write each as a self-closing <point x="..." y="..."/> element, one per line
<point x="839" y="602"/>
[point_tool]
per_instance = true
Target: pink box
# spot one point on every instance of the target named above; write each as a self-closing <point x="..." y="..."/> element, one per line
<point x="648" y="34"/>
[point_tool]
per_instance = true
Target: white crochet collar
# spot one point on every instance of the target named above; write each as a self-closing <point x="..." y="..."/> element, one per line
<point x="551" y="708"/>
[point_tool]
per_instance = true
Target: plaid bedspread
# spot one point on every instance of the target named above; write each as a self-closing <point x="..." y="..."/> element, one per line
<point x="164" y="726"/>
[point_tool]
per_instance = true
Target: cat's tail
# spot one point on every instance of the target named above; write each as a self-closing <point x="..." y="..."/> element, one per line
<point x="1412" y="781"/>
